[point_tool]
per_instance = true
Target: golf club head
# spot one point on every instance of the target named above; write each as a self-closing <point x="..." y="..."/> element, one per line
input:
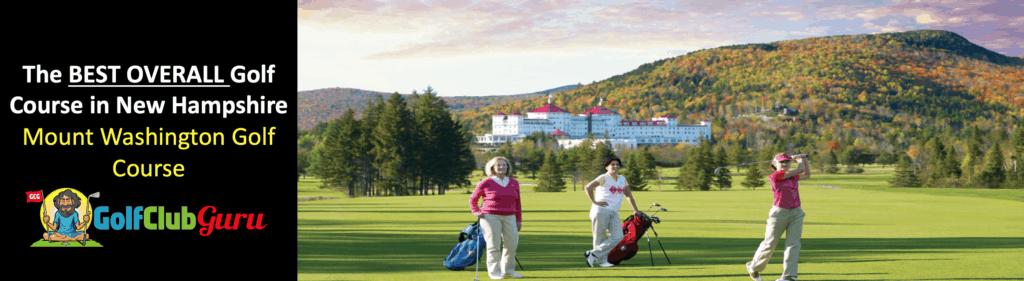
<point x="652" y="206"/>
<point x="659" y="210"/>
<point x="95" y="195"/>
<point x="656" y="220"/>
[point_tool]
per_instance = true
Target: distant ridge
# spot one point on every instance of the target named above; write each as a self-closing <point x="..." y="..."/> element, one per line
<point x="321" y="105"/>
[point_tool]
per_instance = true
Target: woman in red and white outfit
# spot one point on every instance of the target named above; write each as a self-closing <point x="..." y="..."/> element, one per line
<point x="606" y="193"/>
<point x="501" y="217"/>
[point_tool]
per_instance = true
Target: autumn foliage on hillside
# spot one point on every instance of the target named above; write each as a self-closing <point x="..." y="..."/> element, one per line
<point x="855" y="83"/>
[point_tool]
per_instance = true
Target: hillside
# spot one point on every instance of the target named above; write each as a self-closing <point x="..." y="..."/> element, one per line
<point x="861" y="86"/>
<point x="321" y="105"/>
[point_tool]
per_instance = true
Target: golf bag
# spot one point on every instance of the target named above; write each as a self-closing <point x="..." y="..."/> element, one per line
<point x="470" y="246"/>
<point x="633" y="228"/>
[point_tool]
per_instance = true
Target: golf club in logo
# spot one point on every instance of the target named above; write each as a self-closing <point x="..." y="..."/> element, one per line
<point x="66" y="218"/>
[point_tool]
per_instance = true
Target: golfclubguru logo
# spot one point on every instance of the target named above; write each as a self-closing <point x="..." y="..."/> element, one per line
<point x="66" y="214"/>
<point x="157" y="218"/>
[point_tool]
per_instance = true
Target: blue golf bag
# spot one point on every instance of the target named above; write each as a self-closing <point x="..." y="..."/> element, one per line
<point x="468" y="250"/>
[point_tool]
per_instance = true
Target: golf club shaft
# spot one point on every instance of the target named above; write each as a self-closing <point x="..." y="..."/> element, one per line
<point x="659" y="244"/>
<point x="520" y="264"/>
<point x="744" y="164"/>
<point x="649" y="251"/>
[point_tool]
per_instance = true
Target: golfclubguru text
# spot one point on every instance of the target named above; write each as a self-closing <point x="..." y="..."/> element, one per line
<point x="154" y="218"/>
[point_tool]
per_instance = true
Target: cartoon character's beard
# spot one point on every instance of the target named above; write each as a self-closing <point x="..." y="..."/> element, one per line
<point x="66" y="213"/>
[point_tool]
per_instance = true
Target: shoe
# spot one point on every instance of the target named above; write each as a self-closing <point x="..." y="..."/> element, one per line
<point x="513" y="275"/>
<point x="753" y="274"/>
<point x="786" y="279"/>
<point x="590" y="260"/>
<point x="607" y="264"/>
<point x="497" y="277"/>
<point x="586" y="254"/>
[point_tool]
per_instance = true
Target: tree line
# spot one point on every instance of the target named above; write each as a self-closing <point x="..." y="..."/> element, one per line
<point x="395" y="150"/>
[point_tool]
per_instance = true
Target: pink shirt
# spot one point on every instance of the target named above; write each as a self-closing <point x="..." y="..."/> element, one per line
<point x="785" y="190"/>
<point x="498" y="200"/>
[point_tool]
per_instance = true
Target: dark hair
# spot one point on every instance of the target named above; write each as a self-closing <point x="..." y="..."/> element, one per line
<point x="609" y="162"/>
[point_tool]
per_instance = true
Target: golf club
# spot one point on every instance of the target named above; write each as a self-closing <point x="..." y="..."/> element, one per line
<point x="477" y="259"/>
<point x="752" y="163"/>
<point x="85" y="232"/>
<point x="649" y="252"/>
<point x="652" y="206"/>
<point x="659" y="210"/>
<point x="46" y="225"/>
<point x="659" y="244"/>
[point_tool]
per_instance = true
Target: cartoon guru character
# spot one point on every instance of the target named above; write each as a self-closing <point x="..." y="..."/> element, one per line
<point x="66" y="222"/>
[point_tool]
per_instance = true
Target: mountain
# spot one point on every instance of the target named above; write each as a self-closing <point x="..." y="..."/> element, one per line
<point x="916" y="82"/>
<point x="321" y="105"/>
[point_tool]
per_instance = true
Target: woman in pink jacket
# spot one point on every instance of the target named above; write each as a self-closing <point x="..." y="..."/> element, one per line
<point x="501" y="217"/>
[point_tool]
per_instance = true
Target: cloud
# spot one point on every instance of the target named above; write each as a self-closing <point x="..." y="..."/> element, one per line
<point x="438" y="28"/>
<point x="927" y="19"/>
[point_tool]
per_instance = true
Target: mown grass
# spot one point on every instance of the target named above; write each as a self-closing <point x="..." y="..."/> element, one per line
<point x="862" y="231"/>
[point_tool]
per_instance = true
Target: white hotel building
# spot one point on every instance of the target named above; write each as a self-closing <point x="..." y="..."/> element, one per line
<point x="556" y="121"/>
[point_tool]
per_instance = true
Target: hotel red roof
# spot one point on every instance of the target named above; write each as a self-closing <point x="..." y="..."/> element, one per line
<point x="600" y="110"/>
<point x="515" y="113"/>
<point x="558" y="132"/>
<point x="549" y="108"/>
<point x="499" y="113"/>
<point x="668" y="116"/>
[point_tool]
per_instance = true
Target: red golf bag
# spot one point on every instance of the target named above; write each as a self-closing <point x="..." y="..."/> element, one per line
<point x="633" y="229"/>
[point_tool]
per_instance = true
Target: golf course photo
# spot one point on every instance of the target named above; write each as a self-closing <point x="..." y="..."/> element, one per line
<point x="856" y="228"/>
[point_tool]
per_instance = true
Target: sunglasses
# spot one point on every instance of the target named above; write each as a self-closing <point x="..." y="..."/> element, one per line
<point x="784" y="161"/>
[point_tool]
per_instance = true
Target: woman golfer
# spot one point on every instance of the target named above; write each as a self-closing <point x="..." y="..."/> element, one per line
<point x="785" y="216"/>
<point x="606" y="193"/>
<point x="501" y="217"/>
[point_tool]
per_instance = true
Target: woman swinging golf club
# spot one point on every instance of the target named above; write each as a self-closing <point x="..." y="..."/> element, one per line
<point x="606" y="193"/>
<point x="501" y="217"/>
<point x="785" y="216"/>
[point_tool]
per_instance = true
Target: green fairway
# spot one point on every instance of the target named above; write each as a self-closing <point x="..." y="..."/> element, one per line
<point x="861" y="231"/>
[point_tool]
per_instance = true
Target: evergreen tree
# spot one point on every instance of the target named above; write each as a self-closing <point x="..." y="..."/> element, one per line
<point x="634" y="173"/>
<point x="936" y="170"/>
<point x="391" y="140"/>
<point x="649" y="164"/>
<point x="754" y="178"/>
<point x="993" y="175"/>
<point x="970" y="163"/>
<point x="1015" y="173"/>
<point x="533" y="162"/>
<point x="723" y="178"/>
<point x="738" y="155"/>
<point x="699" y="169"/>
<point x="952" y="164"/>
<point x="337" y="167"/>
<point x="905" y="175"/>
<point x="550" y="176"/>
<point x="571" y="166"/>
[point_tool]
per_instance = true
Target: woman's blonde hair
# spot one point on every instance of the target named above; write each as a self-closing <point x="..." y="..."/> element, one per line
<point x="494" y="161"/>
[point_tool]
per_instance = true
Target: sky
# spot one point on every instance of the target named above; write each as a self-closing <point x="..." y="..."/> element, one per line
<point x="483" y="47"/>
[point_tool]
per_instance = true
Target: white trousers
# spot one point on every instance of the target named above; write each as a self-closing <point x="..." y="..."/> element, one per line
<point x="498" y="228"/>
<point x="607" y="229"/>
